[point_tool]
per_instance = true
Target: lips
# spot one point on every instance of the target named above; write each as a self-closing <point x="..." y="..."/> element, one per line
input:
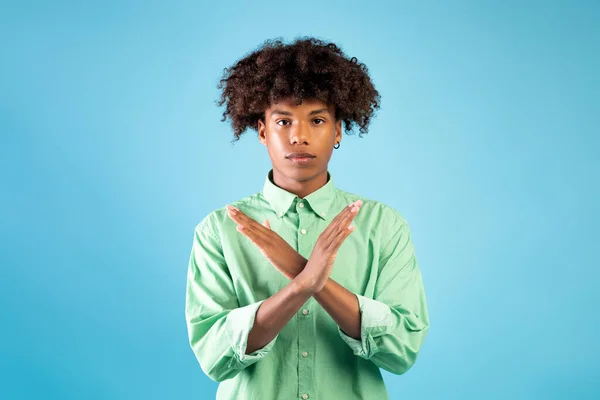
<point x="300" y="155"/>
<point x="301" y="158"/>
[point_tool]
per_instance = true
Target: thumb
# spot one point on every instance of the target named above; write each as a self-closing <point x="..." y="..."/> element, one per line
<point x="266" y="224"/>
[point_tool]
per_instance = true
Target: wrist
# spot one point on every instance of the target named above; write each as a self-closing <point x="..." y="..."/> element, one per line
<point x="305" y="284"/>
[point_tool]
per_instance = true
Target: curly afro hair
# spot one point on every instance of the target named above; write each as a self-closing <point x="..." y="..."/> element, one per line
<point x="307" y="68"/>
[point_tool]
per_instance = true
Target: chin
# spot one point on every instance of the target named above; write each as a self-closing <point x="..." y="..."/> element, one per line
<point x="303" y="173"/>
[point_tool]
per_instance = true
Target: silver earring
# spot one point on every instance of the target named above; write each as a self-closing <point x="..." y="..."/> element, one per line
<point x="337" y="145"/>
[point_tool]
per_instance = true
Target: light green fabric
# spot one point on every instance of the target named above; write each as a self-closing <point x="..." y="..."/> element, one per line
<point x="311" y="358"/>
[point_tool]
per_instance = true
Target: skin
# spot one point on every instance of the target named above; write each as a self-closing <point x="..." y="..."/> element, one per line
<point x="300" y="131"/>
<point x="303" y="131"/>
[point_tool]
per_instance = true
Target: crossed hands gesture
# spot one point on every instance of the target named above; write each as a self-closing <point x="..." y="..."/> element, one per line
<point x="312" y="273"/>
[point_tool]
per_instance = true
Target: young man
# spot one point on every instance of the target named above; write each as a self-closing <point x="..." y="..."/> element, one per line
<point x="303" y="290"/>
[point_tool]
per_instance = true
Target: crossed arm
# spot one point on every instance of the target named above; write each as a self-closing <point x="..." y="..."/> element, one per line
<point x="277" y="310"/>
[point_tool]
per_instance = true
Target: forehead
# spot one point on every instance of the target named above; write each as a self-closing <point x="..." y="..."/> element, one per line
<point x="305" y="107"/>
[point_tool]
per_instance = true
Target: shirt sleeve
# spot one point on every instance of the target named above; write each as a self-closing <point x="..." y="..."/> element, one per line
<point x="395" y="321"/>
<point x="217" y="326"/>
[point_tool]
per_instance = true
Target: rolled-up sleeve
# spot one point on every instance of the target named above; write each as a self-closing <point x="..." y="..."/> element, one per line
<point x="217" y="326"/>
<point x="395" y="321"/>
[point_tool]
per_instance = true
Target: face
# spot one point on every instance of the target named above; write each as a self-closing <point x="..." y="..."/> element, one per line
<point x="289" y="130"/>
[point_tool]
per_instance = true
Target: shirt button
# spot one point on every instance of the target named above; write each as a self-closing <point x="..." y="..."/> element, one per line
<point x="322" y="214"/>
<point x="304" y="354"/>
<point x="303" y="231"/>
<point x="305" y="311"/>
<point x="301" y="205"/>
<point x="305" y="396"/>
<point x="281" y="214"/>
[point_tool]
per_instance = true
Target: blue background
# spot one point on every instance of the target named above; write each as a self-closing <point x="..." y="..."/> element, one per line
<point x="112" y="151"/>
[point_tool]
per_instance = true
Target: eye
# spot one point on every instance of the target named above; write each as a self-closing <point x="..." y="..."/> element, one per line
<point x="282" y="120"/>
<point x="319" y="119"/>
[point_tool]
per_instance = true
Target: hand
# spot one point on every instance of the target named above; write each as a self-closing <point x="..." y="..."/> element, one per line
<point x="319" y="265"/>
<point x="276" y="250"/>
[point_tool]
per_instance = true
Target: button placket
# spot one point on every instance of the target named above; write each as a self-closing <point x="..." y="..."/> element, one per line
<point x="306" y="323"/>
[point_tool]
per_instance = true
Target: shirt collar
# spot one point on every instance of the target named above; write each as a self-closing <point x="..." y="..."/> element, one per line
<point x="281" y="200"/>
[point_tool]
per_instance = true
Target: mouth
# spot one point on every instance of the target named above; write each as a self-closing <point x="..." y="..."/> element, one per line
<point x="301" y="158"/>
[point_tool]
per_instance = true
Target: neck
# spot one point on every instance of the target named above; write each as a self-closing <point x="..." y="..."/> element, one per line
<point x="300" y="188"/>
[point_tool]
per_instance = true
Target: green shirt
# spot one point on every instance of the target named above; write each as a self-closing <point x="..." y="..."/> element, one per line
<point x="311" y="358"/>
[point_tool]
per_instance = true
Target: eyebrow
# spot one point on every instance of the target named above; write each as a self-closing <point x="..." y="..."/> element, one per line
<point x="313" y="112"/>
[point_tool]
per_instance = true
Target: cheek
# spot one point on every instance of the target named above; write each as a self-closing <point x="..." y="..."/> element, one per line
<point x="275" y="143"/>
<point x="274" y="147"/>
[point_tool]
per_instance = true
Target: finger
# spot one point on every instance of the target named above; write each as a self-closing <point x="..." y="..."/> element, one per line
<point x="236" y="215"/>
<point x="267" y="224"/>
<point x="344" y="225"/>
<point x="343" y="228"/>
<point x="242" y="219"/>
<point x="257" y="229"/>
<point x="349" y="212"/>
<point x="345" y="218"/>
<point x="340" y="222"/>
<point x="251" y="233"/>
<point x="339" y="239"/>
<point x="344" y="211"/>
<point x="247" y="225"/>
<point x="334" y="224"/>
<point x="248" y="234"/>
<point x="258" y="236"/>
<point x="349" y="217"/>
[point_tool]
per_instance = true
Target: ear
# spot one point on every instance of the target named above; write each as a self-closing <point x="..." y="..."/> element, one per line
<point x="262" y="132"/>
<point x="338" y="131"/>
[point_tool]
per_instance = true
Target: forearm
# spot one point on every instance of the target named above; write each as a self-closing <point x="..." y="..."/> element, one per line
<point x="275" y="312"/>
<point x="342" y="305"/>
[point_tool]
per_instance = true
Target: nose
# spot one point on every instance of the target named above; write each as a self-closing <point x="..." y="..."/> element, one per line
<point x="300" y="134"/>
